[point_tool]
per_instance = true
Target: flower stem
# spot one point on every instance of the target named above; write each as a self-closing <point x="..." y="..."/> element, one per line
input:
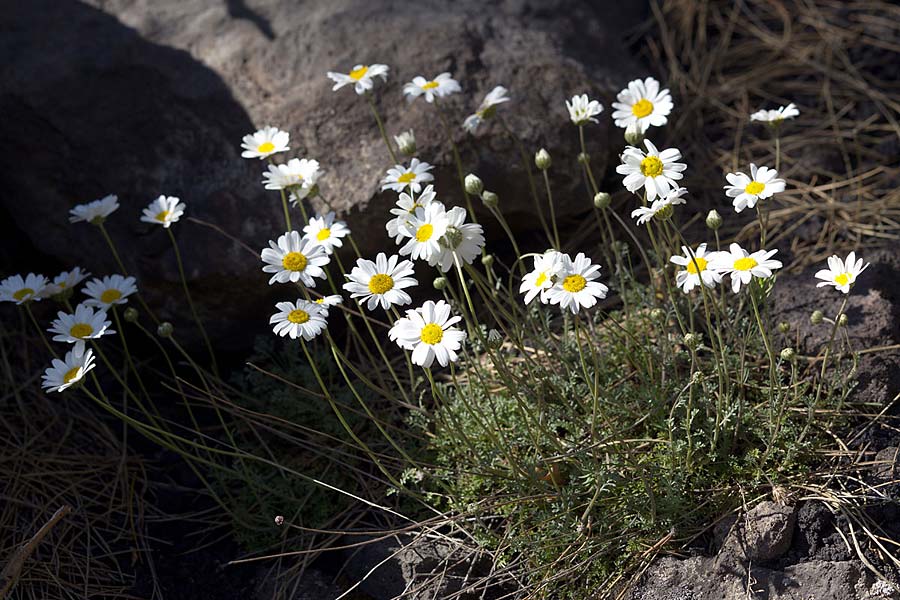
<point x="384" y="136"/>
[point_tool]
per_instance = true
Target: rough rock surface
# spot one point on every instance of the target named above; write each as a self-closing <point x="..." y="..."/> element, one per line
<point x="142" y="97"/>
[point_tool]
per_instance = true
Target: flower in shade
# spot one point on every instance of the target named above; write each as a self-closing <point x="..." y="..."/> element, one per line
<point x="63" y="374"/>
<point x="164" y="211"/>
<point x="661" y="208"/>
<point x="65" y="281"/>
<point x="399" y="177"/>
<point x="294" y="258"/>
<point x="265" y="142"/>
<point x="655" y="171"/>
<point x="547" y="268"/>
<point x="326" y="232"/>
<point x="486" y="109"/>
<point x="20" y="290"/>
<point x="428" y="331"/>
<point x="326" y="302"/>
<point x="361" y="77"/>
<point x="404" y="210"/>
<point x="94" y="212"/>
<point x="841" y="273"/>
<point x="301" y="319"/>
<point x="440" y="86"/>
<point x="381" y="282"/>
<point x="777" y="115"/>
<point x="697" y="268"/>
<point x="747" y="190"/>
<point x="642" y="104"/>
<point x="575" y="286"/>
<point x="582" y="109"/>
<point x="108" y="291"/>
<point x="84" y="324"/>
<point x="406" y="142"/>
<point x="425" y="229"/>
<point x="743" y="266"/>
<point x="461" y="241"/>
<point x="297" y="174"/>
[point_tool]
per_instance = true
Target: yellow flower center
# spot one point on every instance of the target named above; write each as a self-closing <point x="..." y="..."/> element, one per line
<point x="430" y="85"/>
<point x="431" y="334"/>
<point x="23" y="294"/>
<point x="161" y="215"/>
<point x="842" y="278"/>
<point x="380" y="283"/>
<point x="642" y="108"/>
<point x="298" y="316"/>
<point x="323" y="234"/>
<point x="754" y="187"/>
<point x="357" y="74"/>
<point x="574" y="283"/>
<point x="696" y="265"/>
<point x="265" y="147"/>
<point x="110" y="296"/>
<point x="423" y="234"/>
<point x="406" y="177"/>
<point x="71" y="374"/>
<point x="745" y="264"/>
<point x="540" y="280"/>
<point x="651" y="166"/>
<point x="294" y="261"/>
<point x="81" y="330"/>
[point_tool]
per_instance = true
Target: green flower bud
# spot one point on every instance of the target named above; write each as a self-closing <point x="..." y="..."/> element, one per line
<point x="542" y="159"/>
<point x="487" y="260"/>
<point x="633" y="135"/>
<point x="713" y="220"/>
<point x="490" y="199"/>
<point x="584" y="158"/>
<point x="693" y="340"/>
<point x="602" y="200"/>
<point x="494" y="339"/>
<point x="130" y="314"/>
<point x="697" y="377"/>
<point x="788" y="354"/>
<point x="473" y="185"/>
<point x="165" y="329"/>
<point x="657" y="314"/>
<point x="816" y="317"/>
<point x="439" y="283"/>
<point x="784" y="327"/>
<point x="843" y="320"/>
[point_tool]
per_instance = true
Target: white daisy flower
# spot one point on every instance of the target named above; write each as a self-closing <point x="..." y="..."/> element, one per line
<point x="20" y="290"/>
<point x="84" y="324"/>
<point x="301" y="319"/>
<point x="642" y="104"/>
<point x="547" y="269"/>
<point x="164" y="211"/>
<point x="296" y="174"/>
<point x="461" y="241"/>
<point x="654" y="171"/>
<point x="428" y="331"/>
<point x="762" y="183"/>
<point x="582" y="109"/>
<point x="110" y="290"/>
<point x="841" y="274"/>
<point x="67" y="280"/>
<point x="698" y="268"/>
<point x="440" y="86"/>
<point x="361" y="77"/>
<point x="95" y="212"/>
<point x="425" y="229"/>
<point x="777" y="115"/>
<point x="743" y="266"/>
<point x="381" y="282"/>
<point x="63" y="374"/>
<point x="265" y="142"/>
<point x="294" y="258"/>
<point x="326" y="302"/>
<point x="399" y="177"/>
<point x="404" y="211"/>
<point x="406" y="142"/>
<point x="661" y="208"/>
<point x="326" y="232"/>
<point x="575" y="286"/>
<point x="487" y="108"/>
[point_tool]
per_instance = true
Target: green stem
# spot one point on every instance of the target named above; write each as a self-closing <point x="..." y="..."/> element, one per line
<point x="381" y="130"/>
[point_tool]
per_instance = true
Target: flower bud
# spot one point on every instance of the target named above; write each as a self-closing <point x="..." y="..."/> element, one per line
<point x="713" y="220"/>
<point x="131" y="314"/>
<point x="406" y="141"/>
<point x="494" y="339"/>
<point x="697" y="377"/>
<point x="584" y="158"/>
<point x="542" y="159"/>
<point x="165" y="330"/>
<point x="693" y="340"/>
<point x="784" y="327"/>
<point x="439" y="283"/>
<point x="843" y="320"/>
<point x="473" y="185"/>
<point x="602" y="200"/>
<point x="657" y="314"/>
<point x="633" y="135"/>
<point x="279" y="520"/>
<point x="816" y="317"/>
<point x="487" y="260"/>
<point x="788" y="354"/>
<point x="490" y="199"/>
